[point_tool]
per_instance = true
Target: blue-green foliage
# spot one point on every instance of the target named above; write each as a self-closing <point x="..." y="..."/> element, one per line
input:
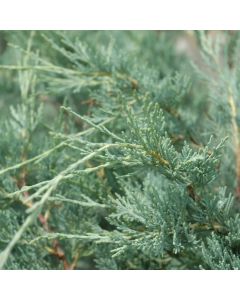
<point x="114" y="150"/>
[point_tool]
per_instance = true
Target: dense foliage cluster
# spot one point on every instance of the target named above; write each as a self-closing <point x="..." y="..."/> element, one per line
<point x="119" y="150"/>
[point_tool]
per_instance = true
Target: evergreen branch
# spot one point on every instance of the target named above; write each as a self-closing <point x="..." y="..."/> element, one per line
<point x="37" y="159"/>
<point x="88" y="237"/>
<point x="35" y="209"/>
<point x="100" y="127"/>
<point x="147" y="185"/>
<point x="88" y="203"/>
<point x="30" y="219"/>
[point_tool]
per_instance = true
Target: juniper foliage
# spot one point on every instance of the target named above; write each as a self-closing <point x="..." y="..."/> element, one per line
<point x="119" y="150"/>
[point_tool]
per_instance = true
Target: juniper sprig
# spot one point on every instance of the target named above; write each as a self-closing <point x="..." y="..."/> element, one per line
<point x="119" y="151"/>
